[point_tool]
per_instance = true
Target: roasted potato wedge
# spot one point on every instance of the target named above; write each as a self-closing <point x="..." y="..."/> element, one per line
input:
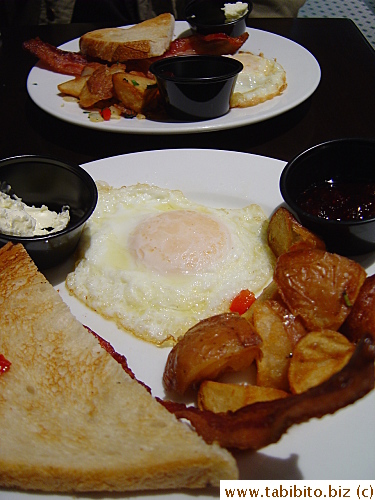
<point x="286" y="234"/>
<point x="216" y="345"/>
<point x="272" y="366"/>
<point x="99" y="86"/>
<point x="318" y="286"/>
<point x="134" y="91"/>
<point x="317" y="357"/>
<point x="293" y="325"/>
<point x="73" y="87"/>
<point x="271" y="292"/>
<point x="361" y="319"/>
<point x="221" y="398"/>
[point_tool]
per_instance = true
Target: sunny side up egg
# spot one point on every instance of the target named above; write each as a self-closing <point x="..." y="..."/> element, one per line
<point x="260" y="80"/>
<point x="157" y="263"/>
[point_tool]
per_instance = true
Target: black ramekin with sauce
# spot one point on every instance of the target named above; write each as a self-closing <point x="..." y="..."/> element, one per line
<point x="331" y="189"/>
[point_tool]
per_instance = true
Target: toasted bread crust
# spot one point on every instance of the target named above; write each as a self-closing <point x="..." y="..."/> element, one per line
<point x="72" y="419"/>
<point x="150" y="38"/>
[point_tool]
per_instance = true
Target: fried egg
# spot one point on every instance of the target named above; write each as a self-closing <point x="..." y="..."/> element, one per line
<point x="260" y="80"/>
<point x="156" y="263"/>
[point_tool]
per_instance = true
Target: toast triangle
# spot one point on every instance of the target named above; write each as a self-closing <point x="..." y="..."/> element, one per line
<point x="72" y="419"/>
<point x="147" y="39"/>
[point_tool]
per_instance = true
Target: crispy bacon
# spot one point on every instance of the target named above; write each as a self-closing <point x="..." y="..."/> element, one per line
<point x="120" y="358"/>
<point x="61" y="61"/>
<point x="261" y="424"/>
<point x="215" y="44"/>
<point x="73" y="63"/>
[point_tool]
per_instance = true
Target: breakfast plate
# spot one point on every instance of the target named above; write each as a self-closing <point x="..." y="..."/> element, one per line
<point x="338" y="446"/>
<point x="302" y="73"/>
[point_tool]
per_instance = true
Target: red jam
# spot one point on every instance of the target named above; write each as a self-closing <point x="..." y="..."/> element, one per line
<point x="4" y="364"/>
<point x="346" y="201"/>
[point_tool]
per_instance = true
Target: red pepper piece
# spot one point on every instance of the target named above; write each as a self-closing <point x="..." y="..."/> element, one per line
<point x="242" y="301"/>
<point x="106" y="114"/>
<point x="4" y="364"/>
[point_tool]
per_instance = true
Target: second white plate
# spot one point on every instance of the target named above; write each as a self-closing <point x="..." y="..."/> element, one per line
<point x="302" y="72"/>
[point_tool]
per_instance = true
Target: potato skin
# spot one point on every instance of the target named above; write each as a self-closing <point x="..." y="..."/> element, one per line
<point x="134" y="91"/>
<point x="222" y="343"/>
<point x="361" y="319"/>
<point x="286" y="234"/>
<point x="318" y="286"/>
<point x="99" y="86"/>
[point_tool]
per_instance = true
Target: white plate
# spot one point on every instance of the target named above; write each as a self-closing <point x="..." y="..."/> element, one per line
<point x="340" y="446"/>
<point x="302" y="71"/>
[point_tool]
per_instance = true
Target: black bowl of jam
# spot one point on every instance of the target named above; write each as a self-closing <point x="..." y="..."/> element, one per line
<point x="331" y="189"/>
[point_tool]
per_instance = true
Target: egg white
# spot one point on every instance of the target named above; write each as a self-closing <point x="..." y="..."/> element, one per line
<point x="260" y="80"/>
<point x="159" y="299"/>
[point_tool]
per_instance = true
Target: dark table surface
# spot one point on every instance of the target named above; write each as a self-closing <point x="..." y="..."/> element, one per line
<point x="342" y="106"/>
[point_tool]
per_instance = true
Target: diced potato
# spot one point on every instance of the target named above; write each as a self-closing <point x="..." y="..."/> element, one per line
<point x="285" y="234"/>
<point x="317" y="357"/>
<point x="94" y="84"/>
<point x="134" y="91"/>
<point x="271" y="292"/>
<point x="361" y="319"/>
<point x="318" y="286"/>
<point x="272" y="366"/>
<point x="73" y="87"/>
<point x="221" y="398"/>
<point x="98" y="87"/>
<point x="87" y="99"/>
<point x="216" y="345"/>
<point x="293" y="325"/>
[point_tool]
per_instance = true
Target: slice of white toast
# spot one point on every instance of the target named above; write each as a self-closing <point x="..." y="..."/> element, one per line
<point x="72" y="419"/>
<point x="147" y="39"/>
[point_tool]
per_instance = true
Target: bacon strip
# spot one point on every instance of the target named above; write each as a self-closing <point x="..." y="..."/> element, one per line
<point x="261" y="424"/>
<point x="120" y="358"/>
<point x="61" y="61"/>
<point x="215" y="44"/>
<point x="72" y="63"/>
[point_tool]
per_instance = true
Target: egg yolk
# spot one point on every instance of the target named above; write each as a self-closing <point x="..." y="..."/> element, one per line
<point x="180" y="241"/>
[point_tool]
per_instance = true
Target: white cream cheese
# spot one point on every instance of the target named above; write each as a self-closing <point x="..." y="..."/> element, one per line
<point x="18" y="219"/>
<point x="233" y="11"/>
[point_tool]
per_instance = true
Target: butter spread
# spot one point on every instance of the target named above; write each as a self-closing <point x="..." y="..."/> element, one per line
<point x="18" y="219"/>
<point x="233" y="11"/>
